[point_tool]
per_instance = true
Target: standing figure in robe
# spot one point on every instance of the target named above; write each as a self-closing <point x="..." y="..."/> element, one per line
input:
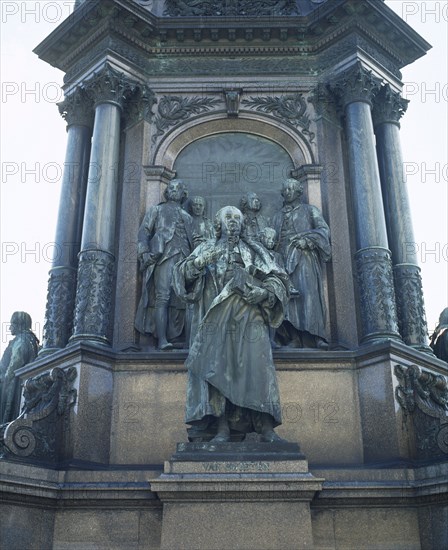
<point x="254" y="222"/>
<point x="21" y="350"/>
<point x="238" y="292"/>
<point x="164" y="238"/>
<point x="439" y="339"/>
<point x="304" y="243"/>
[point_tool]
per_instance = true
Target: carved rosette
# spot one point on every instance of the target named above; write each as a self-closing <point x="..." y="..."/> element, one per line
<point x="423" y="396"/>
<point x="174" y="109"/>
<point x="77" y="108"/>
<point x="388" y="107"/>
<point x="410" y="306"/>
<point x="377" y="295"/>
<point x="60" y="306"/>
<point x="39" y="430"/>
<point x="357" y="84"/>
<point x="229" y="8"/>
<point x="291" y="108"/>
<point x="93" y="307"/>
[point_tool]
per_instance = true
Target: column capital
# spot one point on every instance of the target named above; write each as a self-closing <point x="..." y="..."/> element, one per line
<point x="388" y="106"/>
<point x="139" y="106"/>
<point x="324" y="102"/>
<point x="77" y="109"/>
<point x="110" y="86"/>
<point x="356" y="84"/>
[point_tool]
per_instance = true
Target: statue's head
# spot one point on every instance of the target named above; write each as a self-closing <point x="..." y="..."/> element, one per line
<point x="176" y="190"/>
<point x="268" y="237"/>
<point x="197" y="206"/>
<point x="250" y="201"/>
<point x="292" y="189"/>
<point x="228" y="221"/>
<point x="20" y="321"/>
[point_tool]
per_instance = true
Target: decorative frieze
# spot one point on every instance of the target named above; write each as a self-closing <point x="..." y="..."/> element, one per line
<point x="423" y="396"/>
<point x="230" y="8"/>
<point x="60" y="306"/>
<point x="94" y="294"/>
<point x="174" y="109"/>
<point x="291" y="108"/>
<point x="38" y="432"/>
<point x="388" y="106"/>
<point x="377" y="295"/>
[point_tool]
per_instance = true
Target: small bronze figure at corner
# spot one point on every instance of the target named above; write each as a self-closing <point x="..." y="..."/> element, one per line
<point x="21" y="350"/>
<point x="439" y="339"/>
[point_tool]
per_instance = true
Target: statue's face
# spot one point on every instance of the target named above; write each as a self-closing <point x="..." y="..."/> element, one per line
<point x="232" y="221"/>
<point x="198" y="206"/>
<point x="290" y="191"/>
<point x="174" y="191"/>
<point x="253" y="202"/>
<point x="268" y="240"/>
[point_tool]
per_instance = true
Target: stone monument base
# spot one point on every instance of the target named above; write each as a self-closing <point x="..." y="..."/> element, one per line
<point x="236" y="495"/>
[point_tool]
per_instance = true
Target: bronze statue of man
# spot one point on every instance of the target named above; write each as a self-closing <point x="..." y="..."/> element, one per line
<point x="304" y="243"/>
<point x="21" y="350"/>
<point x="164" y="238"/>
<point x="202" y="227"/>
<point x="254" y="222"/>
<point x="439" y="338"/>
<point x="238" y="291"/>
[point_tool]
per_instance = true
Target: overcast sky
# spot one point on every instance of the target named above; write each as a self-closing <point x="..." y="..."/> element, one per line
<point x="33" y="139"/>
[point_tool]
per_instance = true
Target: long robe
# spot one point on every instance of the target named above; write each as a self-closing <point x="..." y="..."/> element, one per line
<point x="230" y="364"/>
<point x="306" y="312"/>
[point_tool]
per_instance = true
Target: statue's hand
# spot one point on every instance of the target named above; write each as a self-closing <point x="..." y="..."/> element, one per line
<point x="302" y="243"/>
<point x="147" y="259"/>
<point x="206" y="258"/>
<point x="256" y="295"/>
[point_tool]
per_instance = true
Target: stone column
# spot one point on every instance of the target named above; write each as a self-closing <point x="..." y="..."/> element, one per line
<point x="389" y="107"/>
<point x="356" y="89"/>
<point x="96" y="270"/>
<point x="77" y="110"/>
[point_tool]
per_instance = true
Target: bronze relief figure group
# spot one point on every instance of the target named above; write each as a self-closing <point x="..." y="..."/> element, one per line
<point x="236" y="289"/>
<point x="296" y="238"/>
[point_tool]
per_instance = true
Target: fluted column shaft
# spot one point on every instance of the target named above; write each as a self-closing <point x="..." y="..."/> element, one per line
<point x="356" y="88"/>
<point x="388" y="109"/>
<point x="77" y="111"/>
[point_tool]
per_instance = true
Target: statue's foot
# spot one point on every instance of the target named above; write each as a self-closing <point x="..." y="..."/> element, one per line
<point x="321" y="344"/>
<point x="163" y="346"/>
<point x="271" y="437"/>
<point x="221" y="438"/>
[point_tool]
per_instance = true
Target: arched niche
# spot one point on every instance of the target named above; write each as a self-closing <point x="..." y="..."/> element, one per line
<point x="223" y="159"/>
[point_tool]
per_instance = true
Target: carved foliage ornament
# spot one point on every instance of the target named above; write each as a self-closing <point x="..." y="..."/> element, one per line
<point x="229" y="8"/>
<point x="94" y="294"/>
<point x="38" y="431"/>
<point x="77" y="108"/>
<point x="289" y="108"/>
<point x="60" y="305"/>
<point x="389" y="106"/>
<point x="175" y="109"/>
<point x="376" y="287"/>
<point x="356" y="84"/>
<point x="424" y="396"/>
<point x="110" y="85"/>
<point x="411" y="310"/>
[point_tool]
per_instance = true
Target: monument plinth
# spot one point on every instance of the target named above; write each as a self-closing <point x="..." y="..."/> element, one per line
<point x="284" y="118"/>
<point x="243" y="495"/>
